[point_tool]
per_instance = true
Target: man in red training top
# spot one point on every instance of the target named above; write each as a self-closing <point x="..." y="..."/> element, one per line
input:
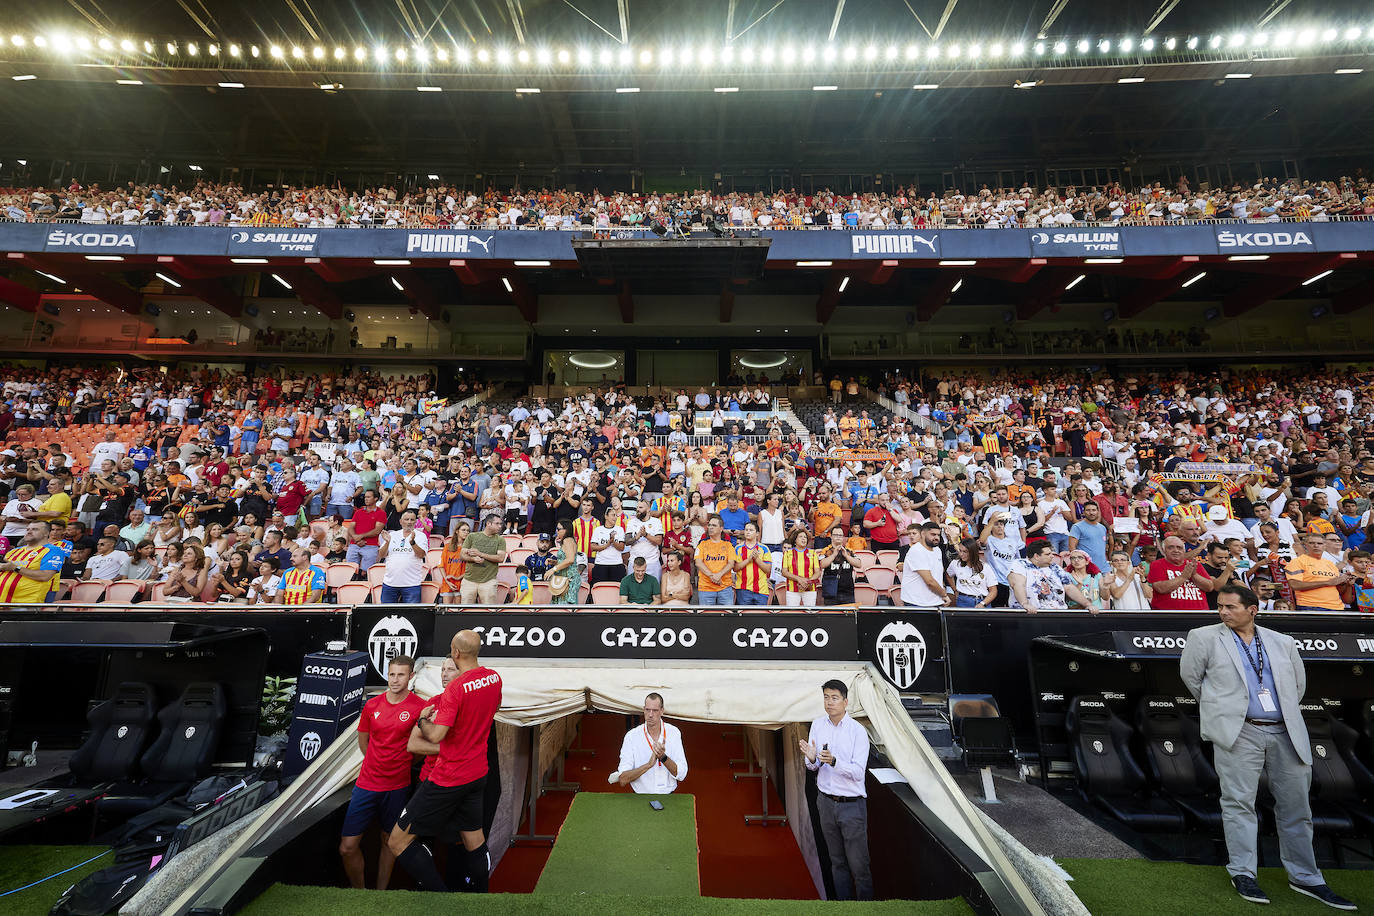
<point x="456" y="871"/>
<point x="384" y="780"/>
<point x="452" y="798"/>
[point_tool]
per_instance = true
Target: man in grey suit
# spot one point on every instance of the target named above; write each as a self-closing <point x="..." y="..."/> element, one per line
<point x="1249" y="682"/>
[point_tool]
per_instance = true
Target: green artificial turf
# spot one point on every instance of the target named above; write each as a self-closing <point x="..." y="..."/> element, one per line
<point x="286" y="900"/>
<point x="611" y="842"/>
<point x="21" y="865"/>
<point x="1130" y="887"/>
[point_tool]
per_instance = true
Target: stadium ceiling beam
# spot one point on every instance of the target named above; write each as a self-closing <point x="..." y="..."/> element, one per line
<point x="835" y="22"/>
<point x="622" y="7"/>
<point x="944" y="18"/>
<point x="1160" y="14"/>
<point x="1145" y="294"/>
<point x="829" y="297"/>
<point x="1019" y="274"/>
<point x="108" y="291"/>
<point x="625" y="298"/>
<point x="311" y="290"/>
<point x="1356" y="297"/>
<point x="727" y="301"/>
<point x="195" y="283"/>
<point x="335" y="272"/>
<point x="1045" y="290"/>
<point x="882" y="272"/>
<point x="1278" y="6"/>
<point x="1050" y="17"/>
<point x="467" y="274"/>
<point x="937" y="294"/>
<point x="24" y="298"/>
<point x="1262" y="289"/>
<point x="419" y="293"/>
<point x="520" y="293"/>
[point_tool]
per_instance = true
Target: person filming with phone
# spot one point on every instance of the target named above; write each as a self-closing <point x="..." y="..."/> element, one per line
<point x="652" y="761"/>
<point x="837" y="752"/>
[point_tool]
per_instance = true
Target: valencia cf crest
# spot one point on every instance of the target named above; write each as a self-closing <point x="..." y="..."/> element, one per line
<point x="901" y="653"/>
<point x="392" y="636"/>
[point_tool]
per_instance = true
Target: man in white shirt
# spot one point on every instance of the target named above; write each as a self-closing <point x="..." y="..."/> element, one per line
<point x="923" y="570"/>
<point x="644" y="534"/>
<point x="652" y="761"/>
<point x="108" y="450"/>
<point x="837" y="752"/>
<point x="106" y="563"/>
<point x="403" y="552"/>
<point x="1221" y="527"/>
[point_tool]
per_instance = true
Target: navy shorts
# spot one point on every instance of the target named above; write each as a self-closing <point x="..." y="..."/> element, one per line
<point x="366" y="806"/>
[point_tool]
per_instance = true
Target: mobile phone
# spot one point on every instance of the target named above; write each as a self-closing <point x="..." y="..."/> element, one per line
<point x="656" y="805"/>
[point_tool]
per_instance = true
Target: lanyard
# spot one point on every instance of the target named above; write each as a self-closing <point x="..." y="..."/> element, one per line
<point x="1259" y="650"/>
<point x="658" y="763"/>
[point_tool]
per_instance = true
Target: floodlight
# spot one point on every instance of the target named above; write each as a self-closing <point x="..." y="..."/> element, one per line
<point x="543" y="56"/>
<point x="564" y="56"/>
<point x="234" y="50"/>
<point x="523" y="56"/>
<point x="1083" y="46"/>
<point x="829" y="54"/>
<point x="276" y="51"/>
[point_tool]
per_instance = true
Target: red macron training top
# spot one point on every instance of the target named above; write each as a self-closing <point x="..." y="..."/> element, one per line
<point x="468" y="706"/>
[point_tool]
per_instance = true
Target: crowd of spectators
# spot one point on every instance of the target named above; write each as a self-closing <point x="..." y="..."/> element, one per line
<point x="440" y="206"/>
<point x="1023" y="488"/>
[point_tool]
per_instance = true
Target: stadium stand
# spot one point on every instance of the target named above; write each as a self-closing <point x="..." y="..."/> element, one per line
<point x="436" y="206"/>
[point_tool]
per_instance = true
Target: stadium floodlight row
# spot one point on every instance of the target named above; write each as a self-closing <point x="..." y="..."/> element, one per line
<point x="973" y="51"/>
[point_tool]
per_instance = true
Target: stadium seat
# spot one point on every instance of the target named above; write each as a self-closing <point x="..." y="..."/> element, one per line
<point x="375" y="593"/>
<point x="865" y="596"/>
<point x="894" y="594"/>
<point x="353" y="593"/>
<point x="339" y="574"/>
<point x="429" y="592"/>
<point x="513" y="541"/>
<point x="1177" y="764"/>
<point x="865" y="558"/>
<point x="888" y="558"/>
<point x="87" y="593"/>
<point x="606" y="593"/>
<point x="1107" y="774"/>
<point x="518" y="555"/>
<point x="503" y="592"/>
<point x="505" y="574"/>
<point x="434" y="557"/>
<point x="584" y="592"/>
<point x="157" y="593"/>
<point x="375" y="573"/>
<point x="123" y="591"/>
<point x="880" y="577"/>
<point x="530" y="542"/>
<point x="540" y="593"/>
<point x="121" y="728"/>
<point x="64" y="588"/>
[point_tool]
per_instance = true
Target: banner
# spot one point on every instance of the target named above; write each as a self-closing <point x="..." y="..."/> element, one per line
<point x="632" y="636"/>
<point x="905" y="245"/>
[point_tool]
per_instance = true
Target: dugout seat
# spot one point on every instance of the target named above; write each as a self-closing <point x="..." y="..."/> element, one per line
<point x="121" y="729"/>
<point x="1178" y="766"/>
<point x="182" y="753"/>
<point x="1108" y="775"/>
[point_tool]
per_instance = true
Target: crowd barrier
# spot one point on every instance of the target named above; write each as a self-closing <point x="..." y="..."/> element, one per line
<point x="908" y="245"/>
<point x="933" y="653"/>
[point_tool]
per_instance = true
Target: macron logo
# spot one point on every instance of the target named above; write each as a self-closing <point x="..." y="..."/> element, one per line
<point x="470" y="686"/>
<point x="890" y="243"/>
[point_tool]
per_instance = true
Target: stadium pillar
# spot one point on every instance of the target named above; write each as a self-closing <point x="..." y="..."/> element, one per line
<point x="18" y="295"/>
<point x="727" y="301"/>
<point x="626" y="300"/>
<point x="523" y="297"/>
<point x="419" y="293"/>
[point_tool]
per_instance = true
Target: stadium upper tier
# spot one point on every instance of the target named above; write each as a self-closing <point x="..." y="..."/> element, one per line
<point x="441" y="207"/>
